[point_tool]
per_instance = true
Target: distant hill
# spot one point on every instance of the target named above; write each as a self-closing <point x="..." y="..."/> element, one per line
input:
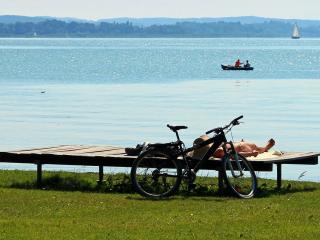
<point x="14" y="18"/>
<point x="145" y="22"/>
<point x="7" y="19"/>
<point x="21" y="26"/>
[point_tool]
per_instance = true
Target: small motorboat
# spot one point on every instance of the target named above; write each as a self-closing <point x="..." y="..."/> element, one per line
<point x="230" y="67"/>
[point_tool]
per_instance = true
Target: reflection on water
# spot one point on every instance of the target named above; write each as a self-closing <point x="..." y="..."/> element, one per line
<point x="154" y="60"/>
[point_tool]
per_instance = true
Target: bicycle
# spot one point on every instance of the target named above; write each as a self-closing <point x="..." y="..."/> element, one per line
<point x="159" y="169"/>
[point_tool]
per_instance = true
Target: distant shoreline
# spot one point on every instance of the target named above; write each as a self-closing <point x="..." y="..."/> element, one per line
<point x="62" y="29"/>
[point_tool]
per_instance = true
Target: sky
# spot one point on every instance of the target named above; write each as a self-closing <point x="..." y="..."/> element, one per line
<point x="98" y="9"/>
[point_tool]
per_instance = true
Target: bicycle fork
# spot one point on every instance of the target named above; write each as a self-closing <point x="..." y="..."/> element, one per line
<point x="229" y="154"/>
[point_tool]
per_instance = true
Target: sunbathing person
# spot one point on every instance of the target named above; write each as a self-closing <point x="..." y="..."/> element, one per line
<point x="246" y="149"/>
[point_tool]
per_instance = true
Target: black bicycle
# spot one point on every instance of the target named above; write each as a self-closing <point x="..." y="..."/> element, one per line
<point x="160" y="168"/>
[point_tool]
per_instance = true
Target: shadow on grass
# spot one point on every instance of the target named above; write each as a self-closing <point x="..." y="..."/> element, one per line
<point x="112" y="184"/>
<point x="121" y="183"/>
<point x="267" y="190"/>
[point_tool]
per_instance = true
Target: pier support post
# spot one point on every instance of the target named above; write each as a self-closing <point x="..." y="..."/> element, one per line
<point x="39" y="175"/>
<point x="100" y="174"/>
<point x="279" y="175"/>
<point x="220" y="181"/>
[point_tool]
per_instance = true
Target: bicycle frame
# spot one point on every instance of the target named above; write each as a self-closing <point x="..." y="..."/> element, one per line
<point x="217" y="140"/>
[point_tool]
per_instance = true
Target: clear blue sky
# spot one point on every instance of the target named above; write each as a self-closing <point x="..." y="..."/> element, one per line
<point x="97" y="9"/>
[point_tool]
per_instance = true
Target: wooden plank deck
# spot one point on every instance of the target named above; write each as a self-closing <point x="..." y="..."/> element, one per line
<point x="115" y="156"/>
<point x="289" y="158"/>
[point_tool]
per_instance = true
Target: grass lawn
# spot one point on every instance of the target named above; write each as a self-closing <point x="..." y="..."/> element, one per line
<point x="72" y="206"/>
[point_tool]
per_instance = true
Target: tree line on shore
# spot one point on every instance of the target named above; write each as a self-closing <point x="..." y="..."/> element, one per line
<point x="57" y="28"/>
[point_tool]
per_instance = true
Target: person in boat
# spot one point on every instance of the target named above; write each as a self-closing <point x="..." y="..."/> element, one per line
<point x="238" y="63"/>
<point x="244" y="148"/>
<point x="247" y="65"/>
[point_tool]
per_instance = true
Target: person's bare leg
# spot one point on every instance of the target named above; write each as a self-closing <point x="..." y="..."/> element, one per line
<point x="269" y="145"/>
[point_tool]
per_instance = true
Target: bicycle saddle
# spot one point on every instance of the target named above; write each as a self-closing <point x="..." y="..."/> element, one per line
<point x="176" y="128"/>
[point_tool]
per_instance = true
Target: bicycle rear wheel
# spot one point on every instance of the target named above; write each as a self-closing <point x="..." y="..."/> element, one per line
<point x="156" y="174"/>
<point x="240" y="178"/>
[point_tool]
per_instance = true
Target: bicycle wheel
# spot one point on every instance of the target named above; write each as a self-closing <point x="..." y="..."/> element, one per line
<point x="240" y="178"/>
<point x="156" y="174"/>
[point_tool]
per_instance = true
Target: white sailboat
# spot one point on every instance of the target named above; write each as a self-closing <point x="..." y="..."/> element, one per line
<point x="295" y="32"/>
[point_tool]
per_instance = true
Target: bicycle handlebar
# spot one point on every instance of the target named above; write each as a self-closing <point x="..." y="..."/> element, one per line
<point x="233" y="122"/>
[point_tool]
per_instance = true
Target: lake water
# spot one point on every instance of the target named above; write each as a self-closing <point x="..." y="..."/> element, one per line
<point x="124" y="91"/>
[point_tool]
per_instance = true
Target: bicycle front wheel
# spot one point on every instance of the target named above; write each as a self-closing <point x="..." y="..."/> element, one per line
<point x="156" y="174"/>
<point x="239" y="175"/>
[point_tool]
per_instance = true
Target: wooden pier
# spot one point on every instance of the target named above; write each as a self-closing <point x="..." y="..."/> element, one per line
<point x="113" y="156"/>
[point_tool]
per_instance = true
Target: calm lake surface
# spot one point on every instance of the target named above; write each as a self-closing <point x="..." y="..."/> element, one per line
<point x="124" y="91"/>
